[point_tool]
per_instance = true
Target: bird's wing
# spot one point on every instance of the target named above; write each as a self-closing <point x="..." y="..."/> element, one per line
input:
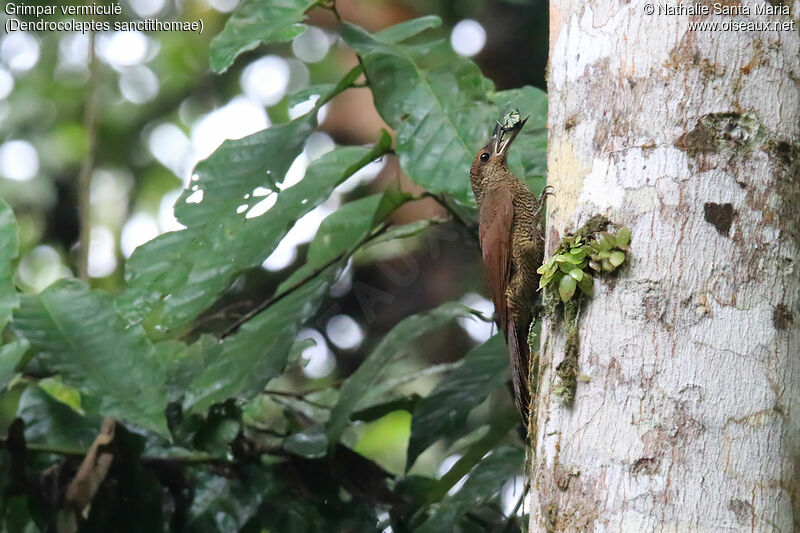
<point x="496" y="215"/>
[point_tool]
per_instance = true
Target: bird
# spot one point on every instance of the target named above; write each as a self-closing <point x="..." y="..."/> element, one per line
<point x="511" y="238"/>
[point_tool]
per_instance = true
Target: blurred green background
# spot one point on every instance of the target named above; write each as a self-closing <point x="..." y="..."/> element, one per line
<point x="161" y="111"/>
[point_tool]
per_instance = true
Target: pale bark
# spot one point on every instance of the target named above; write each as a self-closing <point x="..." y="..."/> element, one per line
<point x="691" y="418"/>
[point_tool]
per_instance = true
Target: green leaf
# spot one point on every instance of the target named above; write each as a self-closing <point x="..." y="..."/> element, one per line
<point x="410" y="28"/>
<point x="51" y="423"/>
<point x="443" y="112"/>
<point x="9" y="250"/>
<point x="616" y="258"/>
<point x="183" y="363"/>
<point x="576" y="274"/>
<point x="223" y="424"/>
<point x="397" y="341"/>
<point x="586" y="284"/>
<point x="226" y="503"/>
<point x="528" y="157"/>
<point x="10" y="358"/>
<point x="566" y="288"/>
<point x="255" y="22"/>
<point x="242" y="364"/>
<point x="483" y="485"/>
<point x="302" y="95"/>
<point x="575" y="259"/>
<point x="623" y="237"/>
<point x="565" y="267"/>
<point x="180" y="274"/>
<point x="405" y="231"/>
<point x="76" y="332"/>
<point x="443" y="412"/>
<point x="480" y="443"/>
<point x="374" y="412"/>
<point x="440" y="114"/>
<point x="605" y="242"/>
<point x="62" y="392"/>
<point x="311" y="443"/>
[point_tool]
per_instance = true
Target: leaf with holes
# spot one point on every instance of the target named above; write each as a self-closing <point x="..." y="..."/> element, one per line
<point x="176" y="276"/>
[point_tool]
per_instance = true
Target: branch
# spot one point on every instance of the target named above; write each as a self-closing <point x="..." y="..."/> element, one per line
<point x="194" y="459"/>
<point x="93" y="469"/>
<point x="296" y="395"/>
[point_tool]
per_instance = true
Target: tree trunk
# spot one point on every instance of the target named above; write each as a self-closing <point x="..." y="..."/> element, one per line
<point x="690" y="418"/>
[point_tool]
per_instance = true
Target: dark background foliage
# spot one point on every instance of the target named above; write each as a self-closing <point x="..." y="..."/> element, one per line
<point x="299" y="346"/>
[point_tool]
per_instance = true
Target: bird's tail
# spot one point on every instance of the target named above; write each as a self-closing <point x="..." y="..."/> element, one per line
<point x="519" y="354"/>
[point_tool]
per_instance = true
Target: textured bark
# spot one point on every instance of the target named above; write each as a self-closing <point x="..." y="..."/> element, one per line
<point x="690" y="420"/>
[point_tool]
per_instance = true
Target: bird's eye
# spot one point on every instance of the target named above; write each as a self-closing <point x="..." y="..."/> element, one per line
<point x="485" y="157"/>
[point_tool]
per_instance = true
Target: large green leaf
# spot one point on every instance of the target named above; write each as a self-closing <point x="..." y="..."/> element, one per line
<point x="443" y="111"/>
<point x="51" y="423"/>
<point x="444" y="411"/>
<point x="243" y="363"/>
<point x="482" y="485"/>
<point x="433" y="110"/>
<point x="9" y="249"/>
<point x="255" y="22"/>
<point x="183" y="363"/>
<point x="10" y="357"/>
<point x="76" y="332"/>
<point x="397" y="342"/>
<point x="180" y="274"/>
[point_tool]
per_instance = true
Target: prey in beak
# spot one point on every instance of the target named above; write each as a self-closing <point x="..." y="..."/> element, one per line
<point x="506" y="130"/>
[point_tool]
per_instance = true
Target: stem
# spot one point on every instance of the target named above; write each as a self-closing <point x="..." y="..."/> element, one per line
<point x="74" y="452"/>
<point x="347" y="81"/>
<point x="87" y="166"/>
<point x="441" y="200"/>
<point x="497" y="432"/>
<point x="296" y="395"/>
<point x="332" y="7"/>
<point x="512" y="516"/>
<point x="297" y="285"/>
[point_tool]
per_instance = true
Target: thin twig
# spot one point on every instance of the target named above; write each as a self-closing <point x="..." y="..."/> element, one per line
<point x="332" y="7"/>
<point x="225" y="312"/>
<point x="296" y="395"/>
<point x="513" y="514"/>
<point x="97" y="462"/>
<point x="146" y="459"/>
<point x="446" y="205"/>
<point x="87" y="166"/>
<point x="269" y="302"/>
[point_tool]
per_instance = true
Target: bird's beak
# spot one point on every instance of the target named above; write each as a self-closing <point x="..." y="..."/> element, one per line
<point x="503" y="137"/>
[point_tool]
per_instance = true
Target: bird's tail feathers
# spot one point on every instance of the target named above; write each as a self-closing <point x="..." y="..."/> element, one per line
<point x="519" y="353"/>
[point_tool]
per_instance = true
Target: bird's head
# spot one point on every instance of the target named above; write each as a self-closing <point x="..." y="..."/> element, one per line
<point x="491" y="159"/>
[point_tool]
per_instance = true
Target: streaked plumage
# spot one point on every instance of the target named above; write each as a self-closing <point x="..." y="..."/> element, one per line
<point x="512" y="246"/>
